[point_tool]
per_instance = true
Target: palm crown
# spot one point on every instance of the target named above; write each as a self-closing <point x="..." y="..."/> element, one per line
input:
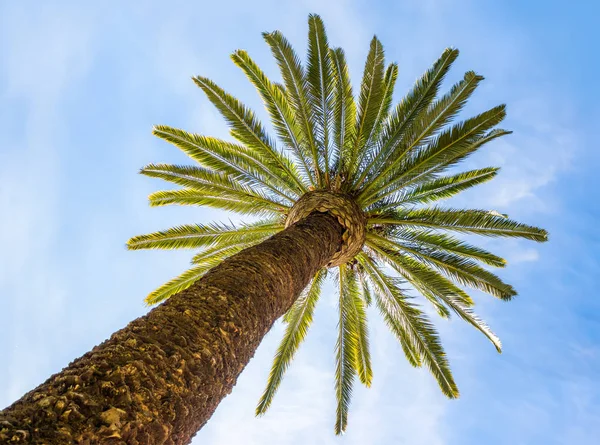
<point x="392" y="162"/>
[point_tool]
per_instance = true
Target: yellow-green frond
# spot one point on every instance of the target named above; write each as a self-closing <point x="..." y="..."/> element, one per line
<point x="406" y="112"/>
<point x="344" y="115"/>
<point x="430" y="121"/>
<point x="237" y="161"/>
<point x="477" y="222"/>
<point x="177" y="284"/>
<point x="449" y="145"/>
<point x="319" y="76"/>
<point x="461" y="270"/>
<point x="369" y="102"/>
<point x="442" y="188"/>
<point x="345" y="353"/>
<point x="412" y="327"/>
<point x="294" y="79"/>
<point x="246" y="128"/>
<point x="282" y="115"/>
<point x="238" y="202"/>
<point x="298" y="321"/>
<point x="194" y="236"/>
<point x="442" y="242"/>
<point x="359" y="327"/>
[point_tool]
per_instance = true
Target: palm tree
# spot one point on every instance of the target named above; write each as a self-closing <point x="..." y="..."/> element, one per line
<point x="349" y="190"/>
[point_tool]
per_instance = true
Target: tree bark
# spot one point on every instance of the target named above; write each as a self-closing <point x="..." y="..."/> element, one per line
<point x="158" y="380"/>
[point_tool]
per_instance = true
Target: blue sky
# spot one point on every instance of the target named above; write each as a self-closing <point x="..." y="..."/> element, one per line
<point x="81" y="86"/>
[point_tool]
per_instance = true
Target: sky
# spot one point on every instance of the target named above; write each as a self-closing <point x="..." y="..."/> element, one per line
<point x="82" y="83"/>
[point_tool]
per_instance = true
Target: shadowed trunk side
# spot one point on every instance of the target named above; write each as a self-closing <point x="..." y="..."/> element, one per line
<point x="158" y="380"/>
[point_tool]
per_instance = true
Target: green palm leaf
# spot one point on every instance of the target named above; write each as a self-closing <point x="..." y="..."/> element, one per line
<point x="387" y="286"/>
<point x="237" y="161"/>
<point x="369" y="101"/>
<point x="238" y="202"/>
<point x="344" y="114"/>
<point x="433" y="286"/>
<point x="418" y="99"/>
<point x="320" y="85"/>
<point x="442" y="242"/>
<point x="366" y="290"/>
<point x="279" y="109"/>
<point x="358" y="322"/>
<point x="207" y="181"/>
<point x="248" y="130"/>
<point x="478" y="222"/>
<point x="416" y="330"/>
<point x="345" y="352"/>
<point x="177" y="284"/>
<point x="442" y="150"/>
<point x="431" y="120"/>
<point x="294" y="79"/>
<point x="298" y="320"/>
<point x="385" y="101"/>
<point x="461" y="270"/>
<point x="194" y="236"/>
<point x="438" y="290"/>
<point x="444" y="187"/>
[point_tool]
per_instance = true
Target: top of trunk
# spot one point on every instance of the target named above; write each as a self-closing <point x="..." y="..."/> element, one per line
<point x="344" y="209"/>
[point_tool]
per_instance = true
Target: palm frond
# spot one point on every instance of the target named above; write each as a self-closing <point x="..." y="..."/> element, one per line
<point x="469" y="149"/>
<point x="381" y="283"/>
<point x="369" y="101"/>
<point x="209" y="181"/>
<point x="345" y="353"/>
<point x="365" y="289"/>
<point x="440" y="152"/>
<point x="451" y="143"/>
<point x="239" y="202"/>
<point x="462" y="270"/>
<point x="214" y="255"/>
<point x="442" y="242"/>
<point x="246" y="128"/>
<point x="280" y="111"/>
<point x="359" y="328"/>
<point x="411" y="327"/>
<point x="385" y="101"/>
<point x="443" y="188"/>
<point x="296" y="88"/>
<point x="298" y="321"/>
<point x="194" y="236"/>
<point x="478" y="222"/>
<point x="319" y="77"/>
<point x="234" y="160"/>
<point x="203" y="262"/>
<point x="405" y="113"/>
<point x="229" y="245"/>
<point x="344" y="114"/>
<point x="430" y="121"/>
<point x="177" y="284"/>
<point x="429" y="283"/>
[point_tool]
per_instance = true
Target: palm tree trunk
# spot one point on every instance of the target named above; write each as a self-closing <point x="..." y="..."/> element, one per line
<point x="158" y="380"/>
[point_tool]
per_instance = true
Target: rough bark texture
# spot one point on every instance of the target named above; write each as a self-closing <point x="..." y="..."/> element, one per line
<point x="158" y="380"/>
<point x="344" y="209"/>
